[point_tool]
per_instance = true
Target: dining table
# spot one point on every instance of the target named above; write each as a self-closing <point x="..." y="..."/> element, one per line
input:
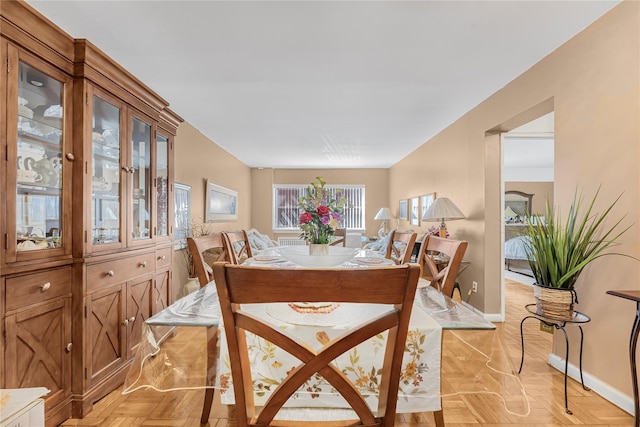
<point x="184" y="346"/>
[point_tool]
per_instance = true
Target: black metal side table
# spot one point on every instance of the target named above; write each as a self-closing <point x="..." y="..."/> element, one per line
<point x="578" y="319"/>
<point x="635" y="329"/>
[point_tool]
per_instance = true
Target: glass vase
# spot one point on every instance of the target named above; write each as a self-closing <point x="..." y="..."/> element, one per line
<point x="318" y="249"/>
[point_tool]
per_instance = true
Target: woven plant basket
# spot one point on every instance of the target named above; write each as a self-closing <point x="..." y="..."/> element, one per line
<point x="556" y="303"/>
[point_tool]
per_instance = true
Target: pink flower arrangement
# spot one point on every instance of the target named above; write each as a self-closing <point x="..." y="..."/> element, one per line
<point x="321" y="214"/>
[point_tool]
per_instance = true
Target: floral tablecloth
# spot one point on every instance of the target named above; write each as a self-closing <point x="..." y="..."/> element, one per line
<point x="420" y="377"/>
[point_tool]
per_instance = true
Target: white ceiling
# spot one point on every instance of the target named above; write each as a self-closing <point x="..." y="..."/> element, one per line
<point x="306" y="84"/>
<point x="528" y="151"/>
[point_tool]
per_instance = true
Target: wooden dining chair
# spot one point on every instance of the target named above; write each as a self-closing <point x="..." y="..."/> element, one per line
<point x="442" y="274"/>
<point x="340" y="237"/>
<point x="209" y="246"/>
<point x="238" y="285"/>
<point x="402" y="247"/>
<point x="237" y="246"/>
<point x="203" y="248"/>
<point x="382" y="246"/>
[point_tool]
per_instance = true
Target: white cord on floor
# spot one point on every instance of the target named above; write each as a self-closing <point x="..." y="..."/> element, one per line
<point x="517" y="379"/>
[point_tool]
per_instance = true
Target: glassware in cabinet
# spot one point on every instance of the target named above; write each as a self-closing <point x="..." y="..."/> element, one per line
<point x="39" y="160"/>
<point x="105" y="172"/>
<point x="162" y="185"/>
<point x="140" y="170"/>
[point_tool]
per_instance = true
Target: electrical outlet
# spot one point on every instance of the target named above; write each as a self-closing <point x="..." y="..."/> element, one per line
<point x="474" y="287"/>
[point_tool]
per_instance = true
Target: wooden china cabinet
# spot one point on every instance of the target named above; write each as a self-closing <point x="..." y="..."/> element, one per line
<point x="37" y="139"/>
<point x="86" y="208"/>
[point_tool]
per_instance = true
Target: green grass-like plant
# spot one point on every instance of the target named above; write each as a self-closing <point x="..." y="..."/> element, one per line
<point x="559" y="252"/>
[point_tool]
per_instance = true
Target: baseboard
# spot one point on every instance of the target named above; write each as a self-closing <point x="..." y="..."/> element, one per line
<point x="491" y="317"/>
<point x="494" y="317"/>
<point x="611" y="394"/>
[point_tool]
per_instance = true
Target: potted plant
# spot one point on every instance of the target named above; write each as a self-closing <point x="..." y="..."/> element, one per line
<point x="558" y="252"/>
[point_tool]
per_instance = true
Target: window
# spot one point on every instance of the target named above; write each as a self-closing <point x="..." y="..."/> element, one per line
<point x="286" y="212"/>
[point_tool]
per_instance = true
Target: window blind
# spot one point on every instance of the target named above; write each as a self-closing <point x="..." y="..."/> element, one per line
<point x="286" y="211"/>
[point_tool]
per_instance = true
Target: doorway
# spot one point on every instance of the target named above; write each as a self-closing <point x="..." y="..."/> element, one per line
<point x="528" y="182"/>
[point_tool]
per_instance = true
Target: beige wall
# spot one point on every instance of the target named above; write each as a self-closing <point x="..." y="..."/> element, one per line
<point x="197" y="159"/>
<point x="376" y="183"/>
<point x="593" y="85"/>
<point x="541" y="192"/>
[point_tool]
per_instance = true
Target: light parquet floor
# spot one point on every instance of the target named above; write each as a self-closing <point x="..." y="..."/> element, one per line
<point x="543" y="385"/>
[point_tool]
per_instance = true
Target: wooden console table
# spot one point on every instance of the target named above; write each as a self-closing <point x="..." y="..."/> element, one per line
<point x="635" y="329"/>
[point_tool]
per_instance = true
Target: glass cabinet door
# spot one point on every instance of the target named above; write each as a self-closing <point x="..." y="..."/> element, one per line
<point x="162" y="185"/>
<point x="39" y="161"/>
<point x="105" y="171"/>
<point x="141" y="179"/>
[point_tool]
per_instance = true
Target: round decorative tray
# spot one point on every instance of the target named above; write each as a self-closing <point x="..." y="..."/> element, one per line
<point x="341" y="314"/>
<point x="313" y="307"/>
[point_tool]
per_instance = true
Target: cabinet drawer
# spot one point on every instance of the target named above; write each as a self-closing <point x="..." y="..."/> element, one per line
<point x="37" y="287"/>
<point x="120" y="270"/>
<point x="163" y="257"/>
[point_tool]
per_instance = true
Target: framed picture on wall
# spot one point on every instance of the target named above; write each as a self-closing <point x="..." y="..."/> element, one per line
<point x="403" y="209"/>
<point x="415" y="211"/>
<point x="221" y="203"/>
<point x="425" y="202"/>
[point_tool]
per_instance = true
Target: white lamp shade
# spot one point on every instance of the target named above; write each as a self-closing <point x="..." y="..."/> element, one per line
<point x="384" y="213"/>
<point x="442" y="209"/>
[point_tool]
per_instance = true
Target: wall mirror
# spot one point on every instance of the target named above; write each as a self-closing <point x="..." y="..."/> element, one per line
<point x="517" y="206"/>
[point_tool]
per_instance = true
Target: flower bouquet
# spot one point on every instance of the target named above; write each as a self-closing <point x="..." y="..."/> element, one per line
<point x="321" y="213"/>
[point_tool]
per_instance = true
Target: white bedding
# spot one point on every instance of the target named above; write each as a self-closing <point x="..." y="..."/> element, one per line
<point x="515" y="248"/>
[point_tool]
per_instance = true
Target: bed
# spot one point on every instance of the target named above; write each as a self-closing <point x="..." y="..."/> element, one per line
<point x="515" y="255"/>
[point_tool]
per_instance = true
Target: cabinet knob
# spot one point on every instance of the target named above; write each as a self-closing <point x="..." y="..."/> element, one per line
<point x="111" y="273"/>
<point x="143" y="264"/>
<point x="68" y="347"/>
<point x="132" y="319"/>
<point x="70" y="156"/>
<point x="132" y="169"/>
<point x="45" y="287"/>
<point x="162" y="258"/>
<point x="126" y="322"/>
<point x="125" y="168"/>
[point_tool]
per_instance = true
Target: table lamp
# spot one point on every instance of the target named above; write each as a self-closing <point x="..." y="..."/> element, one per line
<point x="384" y="214"/>
<point x="440" y="210"/>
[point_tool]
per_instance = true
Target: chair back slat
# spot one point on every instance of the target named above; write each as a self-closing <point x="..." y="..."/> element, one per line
<point x="394" y="286"/>
<point x="336" y="285"/>
<point x="198" y="248"/>
<point x="402" y="247"/>
<point x="237" y="246"/>
<point x="442" y="278"/>
<point x="340" y="237"/>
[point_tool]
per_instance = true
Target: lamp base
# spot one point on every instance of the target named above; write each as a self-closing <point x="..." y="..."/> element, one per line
<point x="443" y="230"/>
<point x="382" y="232"/>
<point x="383" y="229"/>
